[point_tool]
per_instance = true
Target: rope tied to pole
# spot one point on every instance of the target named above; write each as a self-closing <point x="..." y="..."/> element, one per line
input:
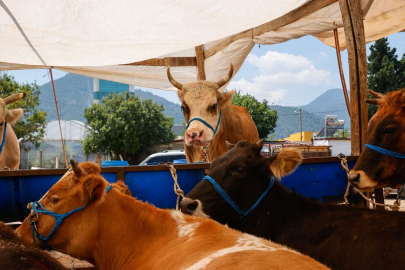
<point x="394" y="207"/>
<point x="177" y="190"/>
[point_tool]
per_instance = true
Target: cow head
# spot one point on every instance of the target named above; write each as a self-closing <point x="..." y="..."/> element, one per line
<point x="386" y="129"/>
<point x="82" y="185"/>
<point x="201" y="100"/>
<point x="243" y="174"/>
<point x="9" y="116"/>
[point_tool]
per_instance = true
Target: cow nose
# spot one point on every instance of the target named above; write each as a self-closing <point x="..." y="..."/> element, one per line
<point x="354" y="178"/>
<point x="196" y="134"/>
<point x="188" y="206"/>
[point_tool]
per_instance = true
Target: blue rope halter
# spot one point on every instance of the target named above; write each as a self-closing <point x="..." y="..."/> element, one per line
<point x="4" y="137"/>
<point x="385" y="152"/>
<point x="231" y="202"/>
<point x="37" y="207"/>
<point x="206" y="123"/>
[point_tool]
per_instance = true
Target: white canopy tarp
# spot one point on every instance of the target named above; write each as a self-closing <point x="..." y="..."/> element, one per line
<point x="98" y="38"/>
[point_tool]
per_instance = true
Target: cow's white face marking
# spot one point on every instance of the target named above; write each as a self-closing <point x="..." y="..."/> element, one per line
<point x="245" y="243"/>
<point x="184" y="227"/>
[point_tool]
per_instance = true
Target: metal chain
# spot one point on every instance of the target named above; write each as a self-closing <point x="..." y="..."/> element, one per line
<point x="394" y="207"/>
<point x="179" y="192"/>
<point x="73" y="264"/>
<point x="204" y="151"/>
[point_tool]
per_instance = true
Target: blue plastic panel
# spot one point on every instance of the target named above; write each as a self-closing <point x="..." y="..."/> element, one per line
<point x="8" y="203"/>
<point x="156" y="187"/>
<point x="318" y="180"/>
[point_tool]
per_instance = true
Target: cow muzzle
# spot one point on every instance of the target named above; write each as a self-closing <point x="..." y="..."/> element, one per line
<point x="192" y="207"/>
<point x="361" y="181"/>
<point x="196" y="137"/>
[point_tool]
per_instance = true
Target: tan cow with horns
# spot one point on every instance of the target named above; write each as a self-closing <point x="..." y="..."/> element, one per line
<point x="112" y="230"/>
<point x="9" y="147"/>
<point x="212" y="118"/>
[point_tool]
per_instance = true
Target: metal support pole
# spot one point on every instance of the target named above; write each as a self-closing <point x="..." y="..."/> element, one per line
<point x="41" y="162"/>
<point x="300" y="123"/>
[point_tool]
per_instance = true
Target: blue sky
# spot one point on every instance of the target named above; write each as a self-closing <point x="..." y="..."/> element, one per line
<point x="291" y="74"/>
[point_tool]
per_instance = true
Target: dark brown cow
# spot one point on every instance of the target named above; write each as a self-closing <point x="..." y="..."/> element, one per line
<point x="14" y="254"/>
<point x="386" y="130"/>
<point x="340" y="237"/>
<point x="115" y="231"/>
<point x="202" y="100"/>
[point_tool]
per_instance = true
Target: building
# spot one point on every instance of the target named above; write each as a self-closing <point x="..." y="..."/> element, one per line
<point x="306" y="136"/>
<point x="337" y="145"/>
<point x="103" y="88"/>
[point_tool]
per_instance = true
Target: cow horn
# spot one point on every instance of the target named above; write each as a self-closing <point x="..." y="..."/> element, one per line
<point x="225" y="80"/>
<point x="260" y="143"/>
<point x="97" y="160"/>
<point x="374" y="101"/>
<point x="173" y="81"/>
<point x="375" y="94"/>
<point x="14" y="98"/>
<point x="76" y="168"/>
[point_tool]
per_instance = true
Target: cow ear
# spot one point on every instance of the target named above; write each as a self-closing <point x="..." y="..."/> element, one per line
<point x="93" y="188"/>
<point x="120" y="185"/>
<point x="225" y="96"/>
<point x="285" y="162"/>
<point x="229" y="145"/>
<point x="12" y="116"/>
<point x="180" y="94"/>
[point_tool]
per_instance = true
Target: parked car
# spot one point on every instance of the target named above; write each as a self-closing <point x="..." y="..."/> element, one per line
<point x="175" y="156"/>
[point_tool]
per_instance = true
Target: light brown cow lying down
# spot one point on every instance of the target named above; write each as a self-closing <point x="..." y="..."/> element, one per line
<point x="115" y="231"/>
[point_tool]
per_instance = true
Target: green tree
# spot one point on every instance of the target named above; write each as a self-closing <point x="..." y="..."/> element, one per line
<point x="385" y="72"/>
<point x="264" y="117"/>
<point x="31" y="126"/>
<point x="127" y="126"/>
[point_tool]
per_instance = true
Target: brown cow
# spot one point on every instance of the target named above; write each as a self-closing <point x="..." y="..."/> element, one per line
<point x="386" y="130"/>
<point x="115" y="231"/>
<point x="202" y="100"/>
<point x="10" y="154"/>
<point x="14" y="254"/>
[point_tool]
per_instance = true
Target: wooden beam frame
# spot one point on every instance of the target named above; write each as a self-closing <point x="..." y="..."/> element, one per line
<point x="167" y="61"/>
<point x="356" y="49"/>
<point x="199" y="53"/>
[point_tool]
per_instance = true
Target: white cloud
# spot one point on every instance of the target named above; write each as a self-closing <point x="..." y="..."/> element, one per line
<point x="283" y="77"/>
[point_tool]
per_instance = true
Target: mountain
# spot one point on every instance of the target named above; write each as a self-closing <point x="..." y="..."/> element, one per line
<point x="171" y="109"/>
<point x="332" y="102"/>
<point x="288" y="121"/>
<point x="75" y="92"/>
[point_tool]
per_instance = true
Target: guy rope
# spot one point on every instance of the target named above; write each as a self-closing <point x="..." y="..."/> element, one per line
<point x="394" y="207"/>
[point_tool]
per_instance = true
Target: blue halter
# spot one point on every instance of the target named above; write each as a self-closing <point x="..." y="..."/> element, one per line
<point x="37" y="207"/>
<point x="4" y="137"/>
<point x="385" y="152"/>
<point x="231" y="202"/>
<point x="206" y="123"/>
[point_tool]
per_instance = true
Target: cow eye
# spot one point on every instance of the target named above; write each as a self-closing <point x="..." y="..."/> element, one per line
<point x="55" y="200"/>
<point x="214" y="107"/>
<point x="240" y="169"/>
<point x="1" y="124"/>
<point x="389" y="130"/>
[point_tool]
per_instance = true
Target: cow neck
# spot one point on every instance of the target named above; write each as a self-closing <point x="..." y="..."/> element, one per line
<point x="226" y="132"/>
<point x="280" y="208"/>
<point x="127" y="229"/>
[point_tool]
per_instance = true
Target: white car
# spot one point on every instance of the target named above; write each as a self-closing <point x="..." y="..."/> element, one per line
<point x="174" y="156"/>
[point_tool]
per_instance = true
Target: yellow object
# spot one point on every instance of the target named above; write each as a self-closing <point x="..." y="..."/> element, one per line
<point x="306" y="136"/>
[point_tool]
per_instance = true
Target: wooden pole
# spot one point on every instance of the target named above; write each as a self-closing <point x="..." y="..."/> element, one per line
<point x="356" y="49"/>
<point x="199" y="53"/>
<point x="57" y="112"/>
<point x="352" y="16"/>
<point x="342" y="76"/>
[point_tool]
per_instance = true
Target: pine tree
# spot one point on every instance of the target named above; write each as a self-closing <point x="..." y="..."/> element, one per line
<point x="385" y="72"/>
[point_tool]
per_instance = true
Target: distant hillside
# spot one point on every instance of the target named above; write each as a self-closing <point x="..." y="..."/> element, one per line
<point x="332" y="102"/>
<point x="288" y="122"/>
<point x="75" y="92"/>
<point x="171" y="109"/>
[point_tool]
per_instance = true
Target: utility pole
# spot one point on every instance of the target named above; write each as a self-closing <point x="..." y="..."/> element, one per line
<point x="300" y="113"/>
